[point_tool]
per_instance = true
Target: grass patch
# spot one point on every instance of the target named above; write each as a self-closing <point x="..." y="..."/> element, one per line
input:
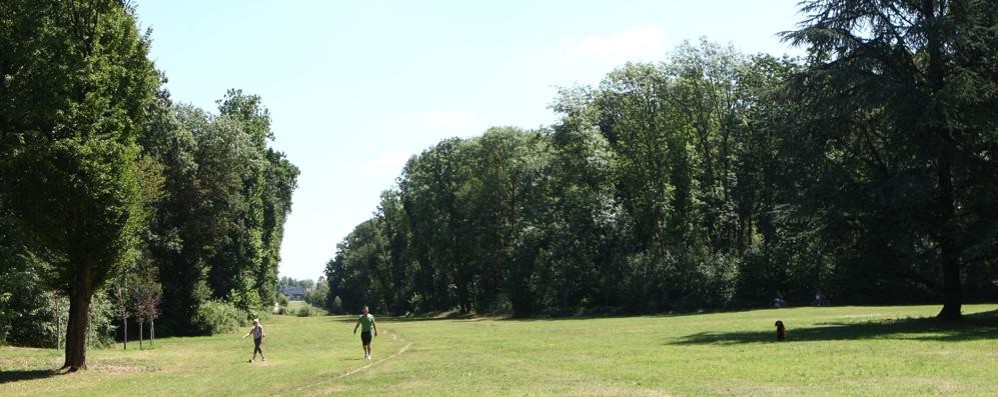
<point x="858" y="351"/>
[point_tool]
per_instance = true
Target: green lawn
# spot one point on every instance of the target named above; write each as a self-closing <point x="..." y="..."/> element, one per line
<point x="832" y="351"/>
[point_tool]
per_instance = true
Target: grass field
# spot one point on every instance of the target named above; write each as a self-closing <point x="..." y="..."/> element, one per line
<point x="860" y="351"/>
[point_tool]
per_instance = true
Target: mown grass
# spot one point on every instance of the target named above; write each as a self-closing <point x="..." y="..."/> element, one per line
<point x="860" y="351"/>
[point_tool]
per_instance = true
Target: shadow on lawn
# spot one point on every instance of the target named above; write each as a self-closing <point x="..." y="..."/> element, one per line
<point x="14" y="376"/>
<point x="975" y="326"/>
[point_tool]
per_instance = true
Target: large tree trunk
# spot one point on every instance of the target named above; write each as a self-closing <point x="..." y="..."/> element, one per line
<point x="140" y="333"/>
<point x="933" y="11"/>
<point x="81" y="291"/>
<point x="152" y="331"/>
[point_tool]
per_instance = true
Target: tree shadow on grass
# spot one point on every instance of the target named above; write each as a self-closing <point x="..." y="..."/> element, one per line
<point x="977" y="326"/>
<point x="14" y="376"/>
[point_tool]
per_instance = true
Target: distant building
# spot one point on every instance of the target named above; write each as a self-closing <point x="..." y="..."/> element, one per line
<point x="293" y="293"/>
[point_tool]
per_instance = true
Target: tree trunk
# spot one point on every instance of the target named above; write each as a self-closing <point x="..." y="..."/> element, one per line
<point x="152" y="331"/>
<point x="81" y="292"/>
<point x="58" y="334"/>
<point x="944" y="162"/>
<point x="124" y="325"/>
<point x="140" y="333"/>
<point x="952" y="291"/>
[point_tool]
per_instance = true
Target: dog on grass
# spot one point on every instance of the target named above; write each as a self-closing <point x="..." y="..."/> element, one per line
<point x="781" y="331"/>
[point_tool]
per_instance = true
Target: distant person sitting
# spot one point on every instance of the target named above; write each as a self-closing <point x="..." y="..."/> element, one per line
<point x="778" y="301"/>
<point x="819" y="299"/>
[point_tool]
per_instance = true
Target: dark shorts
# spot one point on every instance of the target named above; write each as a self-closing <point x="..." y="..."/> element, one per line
<point x="257" y="342"/>
<point x="365" y="337"/>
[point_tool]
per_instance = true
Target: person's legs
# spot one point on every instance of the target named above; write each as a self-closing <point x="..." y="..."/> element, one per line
<point x="365" y="338"/>
<point x="256" y="348"/>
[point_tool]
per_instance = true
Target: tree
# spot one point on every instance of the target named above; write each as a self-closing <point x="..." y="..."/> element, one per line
<point x="900" y="99"/>
<point x="120" y="295"/>
<point x="145" y="303"/>
<point x="75" y="82"/>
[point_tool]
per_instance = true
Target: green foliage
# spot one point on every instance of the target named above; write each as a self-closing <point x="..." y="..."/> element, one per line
<point x="714" y="180"/>
<point x="336" y="307"/>
<point x="317" y="297"/>
<point x="102" y="321"/>
<point x="41" y="318"/>
<point x="75" y="81"/>
<point x="220" y="223"/>
<point x="899" y="125"/>
<point x="99" y="172"/>
<point x="305" y="311"/>
<point x="644" y="197"/>
<point x="290" y="282"/>
<point x="247" y="301"/>
<point x="218" y="316"/>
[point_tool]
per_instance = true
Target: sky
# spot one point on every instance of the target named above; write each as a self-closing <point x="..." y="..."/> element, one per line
<point x="355" y="89"/>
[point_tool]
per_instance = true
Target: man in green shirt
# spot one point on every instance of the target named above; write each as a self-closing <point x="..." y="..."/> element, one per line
<point x="367" y="321"/>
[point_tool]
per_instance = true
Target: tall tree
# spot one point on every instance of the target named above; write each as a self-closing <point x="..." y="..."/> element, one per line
<point x="75" y="80"/>
<point x="901" y="97"/>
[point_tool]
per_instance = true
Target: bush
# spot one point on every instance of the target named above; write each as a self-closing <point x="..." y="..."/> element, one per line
<point x="39" y="319"/>
<point x="247" y="301"/>
<point x="281" y="306"/>
<point x="5" y="316"/>
<point x="337" y="306"/>
<point x="217" y="316"/>
<point x="306" y="311"/>
<point x="102" y="318"/>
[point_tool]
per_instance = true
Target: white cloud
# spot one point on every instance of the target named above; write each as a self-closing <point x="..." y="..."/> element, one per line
<point x="636" y="42"/>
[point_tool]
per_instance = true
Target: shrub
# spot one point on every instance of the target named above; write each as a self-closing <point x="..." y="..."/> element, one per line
<point x="217" y="316"/>
<point x="39" y="320"/>
<point x="247" y="301"/>
<point x="337" y="306"/>
<point x="306" y="311"/>
<point x="281" y="305"/>
<point x="102" y="318"/>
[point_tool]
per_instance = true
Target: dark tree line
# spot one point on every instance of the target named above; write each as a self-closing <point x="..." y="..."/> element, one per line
<point x="717" y="180"/>
<point x="107" y="188"/>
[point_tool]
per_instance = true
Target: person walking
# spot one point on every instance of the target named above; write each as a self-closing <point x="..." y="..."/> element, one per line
<point x="258" y="335"/>
<point x="367" y="321"/>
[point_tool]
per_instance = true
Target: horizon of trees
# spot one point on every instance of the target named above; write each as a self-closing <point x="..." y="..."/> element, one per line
<point x="714" y="179"/>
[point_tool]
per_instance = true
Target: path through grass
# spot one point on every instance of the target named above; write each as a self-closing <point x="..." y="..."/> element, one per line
<point x="832" y="351"/>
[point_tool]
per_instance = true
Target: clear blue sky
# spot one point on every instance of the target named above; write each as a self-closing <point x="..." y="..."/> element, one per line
<point x="355" y="88"/>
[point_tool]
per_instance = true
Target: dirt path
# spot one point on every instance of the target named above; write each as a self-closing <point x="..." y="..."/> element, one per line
<point x="395" y="336"/>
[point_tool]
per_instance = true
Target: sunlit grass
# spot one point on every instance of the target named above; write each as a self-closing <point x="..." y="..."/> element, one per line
<point x="831" y="351"/>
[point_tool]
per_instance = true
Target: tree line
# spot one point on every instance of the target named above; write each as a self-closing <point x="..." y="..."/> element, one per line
<point x="866" y="171"/>
<point x="117" y="204"/>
